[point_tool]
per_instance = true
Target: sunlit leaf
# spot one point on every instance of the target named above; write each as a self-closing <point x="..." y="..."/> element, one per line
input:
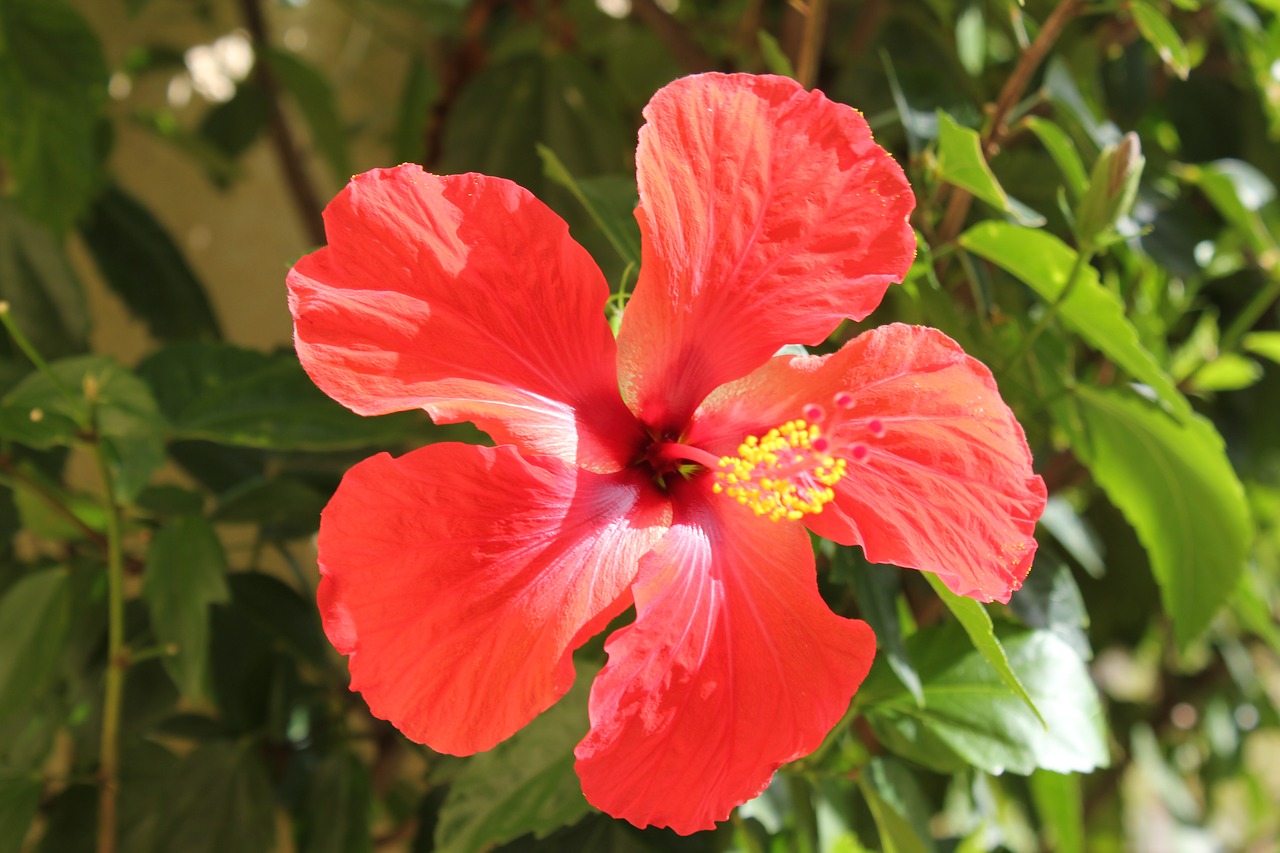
<point x="975" y="620"/>
<point x="970" y="716"/>
<point x="1161" y="35"/>
<point x="960" y="162"/>
<point x="1063" y="151"/>
<point x="1174" y="484"/>
<point x="1044" y="263"/>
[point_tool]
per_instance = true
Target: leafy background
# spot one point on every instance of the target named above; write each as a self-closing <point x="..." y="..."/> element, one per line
<point x="1097" y="220"/>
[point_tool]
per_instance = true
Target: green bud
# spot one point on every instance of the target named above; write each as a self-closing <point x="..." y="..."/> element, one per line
<point x="1112" y="188"/>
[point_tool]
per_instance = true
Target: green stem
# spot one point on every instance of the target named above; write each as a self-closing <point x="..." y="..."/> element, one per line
<point x="6" y="318"/>
<point x="1245" y="320"/>
<point x="806" y="817"/>
<point x="1077" y="270"/>
<point x="117" y="660"/>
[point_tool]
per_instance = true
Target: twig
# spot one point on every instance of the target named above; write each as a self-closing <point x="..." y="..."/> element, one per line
<point x="665" y="27"/>
<point x="815" y="18"/>
<point x="305" y="201"/>
<point x="997" y="125"/>
<point x="117" y="660"/>
<point x="465" y="60"/>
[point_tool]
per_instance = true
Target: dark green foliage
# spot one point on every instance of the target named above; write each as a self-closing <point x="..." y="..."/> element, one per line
<point x="1097" y="222"/>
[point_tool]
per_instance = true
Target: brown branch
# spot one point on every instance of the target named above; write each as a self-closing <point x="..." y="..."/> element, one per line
<point x="666" y="28"/>
<point x="466" y="59"/>
<point x="815" y="18"/>
<point x="871" y="15"/>
<point x="1012" y="92"/>
<point x="305" y="201"/>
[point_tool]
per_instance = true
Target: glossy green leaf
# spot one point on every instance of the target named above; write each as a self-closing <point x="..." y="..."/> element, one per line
<point x="146" y="269"/>
<point x="312" y="93"/>
<point x="1051" y="600"/>
<point x="19" y="800"/>
<point x="1063" y="151"/>
<point x="971" y="38"/>
<point x="1161" y="35"/>
<point x="185" y="573"/>
<point x="525" y="784"/>
<point x="35" y="612"/>
<point x="612" y="212"/>
<point x="53" y="80"/>
<point x="1175" y="485"/>
<point x="44" y="295"/>
<point x="220" y="800"/>
<point x="970" y="716"/>
<point x="239" y="397"/>
<point x="337" y="807"/>
<point x="1044" y="263"/>
<point x="975" y="620"/>
<point x="1238" y="191"/>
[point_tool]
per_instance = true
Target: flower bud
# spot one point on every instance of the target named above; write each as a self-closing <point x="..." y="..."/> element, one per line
<point x="1112" y="188"/>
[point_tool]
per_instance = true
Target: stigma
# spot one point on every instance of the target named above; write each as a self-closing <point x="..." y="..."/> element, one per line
<point x="791" y="470"/>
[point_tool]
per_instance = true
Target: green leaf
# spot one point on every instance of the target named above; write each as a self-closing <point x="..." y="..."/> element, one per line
<point x="971" y="717"/>
<point x="1174" y="484"/>
<point x="524" y="784"/>
<point x="185" y="573"/>
<point x="244" y="398"/>
<point x="1061" y="808"/>
<point x="877" y="588"/>
<point x="775" y="58"/>
<point x="35" y="613"/>
<point x="611" y="212"/>
<point x="900" y="812"/>
<point x="282" y="614"/>
<point x="141" y="263"/>
<point x="1044" y="263"/>
<point x="53" y="81"/>
<point x="1238" y="191"/>
<point x="44" y="295"/>
<point x="975" y="620"/>
<point x="960" y="162"/>
<point x="1227" y="372"/>
<point x="311" y="92"/>
<point x="1265" y="344"/>
<point x="39" y="413"/>
<point x="1161" y="35"/>
<point x="338" y="807"/>
<point x="220" y="800"/>
<point x="419" y="92"/>
<point x="971" y="38"/>
<point x="1051" y="600"/>
<point x="512" y="105"/>
<point x="1063" y="151"/>
<point x="19" y="800"/>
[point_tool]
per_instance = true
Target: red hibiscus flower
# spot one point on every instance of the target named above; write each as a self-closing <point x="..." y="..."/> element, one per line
<point x="677" y="470"/>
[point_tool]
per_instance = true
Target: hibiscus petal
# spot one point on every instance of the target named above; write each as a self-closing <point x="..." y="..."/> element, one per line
<point x="459" y="579"/>
<point x="767" y="216"/>
<point x="463" y="295"/>
<point x="947" y="488"/>
<point x="733" y="667"/>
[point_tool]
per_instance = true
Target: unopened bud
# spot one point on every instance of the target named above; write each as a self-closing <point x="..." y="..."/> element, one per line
<point x="1112" y="188"/>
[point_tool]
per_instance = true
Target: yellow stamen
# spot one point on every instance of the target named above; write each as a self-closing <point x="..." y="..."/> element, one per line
<point x="782" y="474"/>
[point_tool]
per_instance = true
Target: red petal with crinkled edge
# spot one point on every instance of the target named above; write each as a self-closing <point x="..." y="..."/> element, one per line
<point x="459" y="579"/>
<point x="767" y="216"/>
<point x="463" y="295"/>
<point x="948" y="487"/>
<point x="733" y="667"/>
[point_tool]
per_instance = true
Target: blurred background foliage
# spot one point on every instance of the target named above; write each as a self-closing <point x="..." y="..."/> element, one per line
<point x="1098" y="222"/>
